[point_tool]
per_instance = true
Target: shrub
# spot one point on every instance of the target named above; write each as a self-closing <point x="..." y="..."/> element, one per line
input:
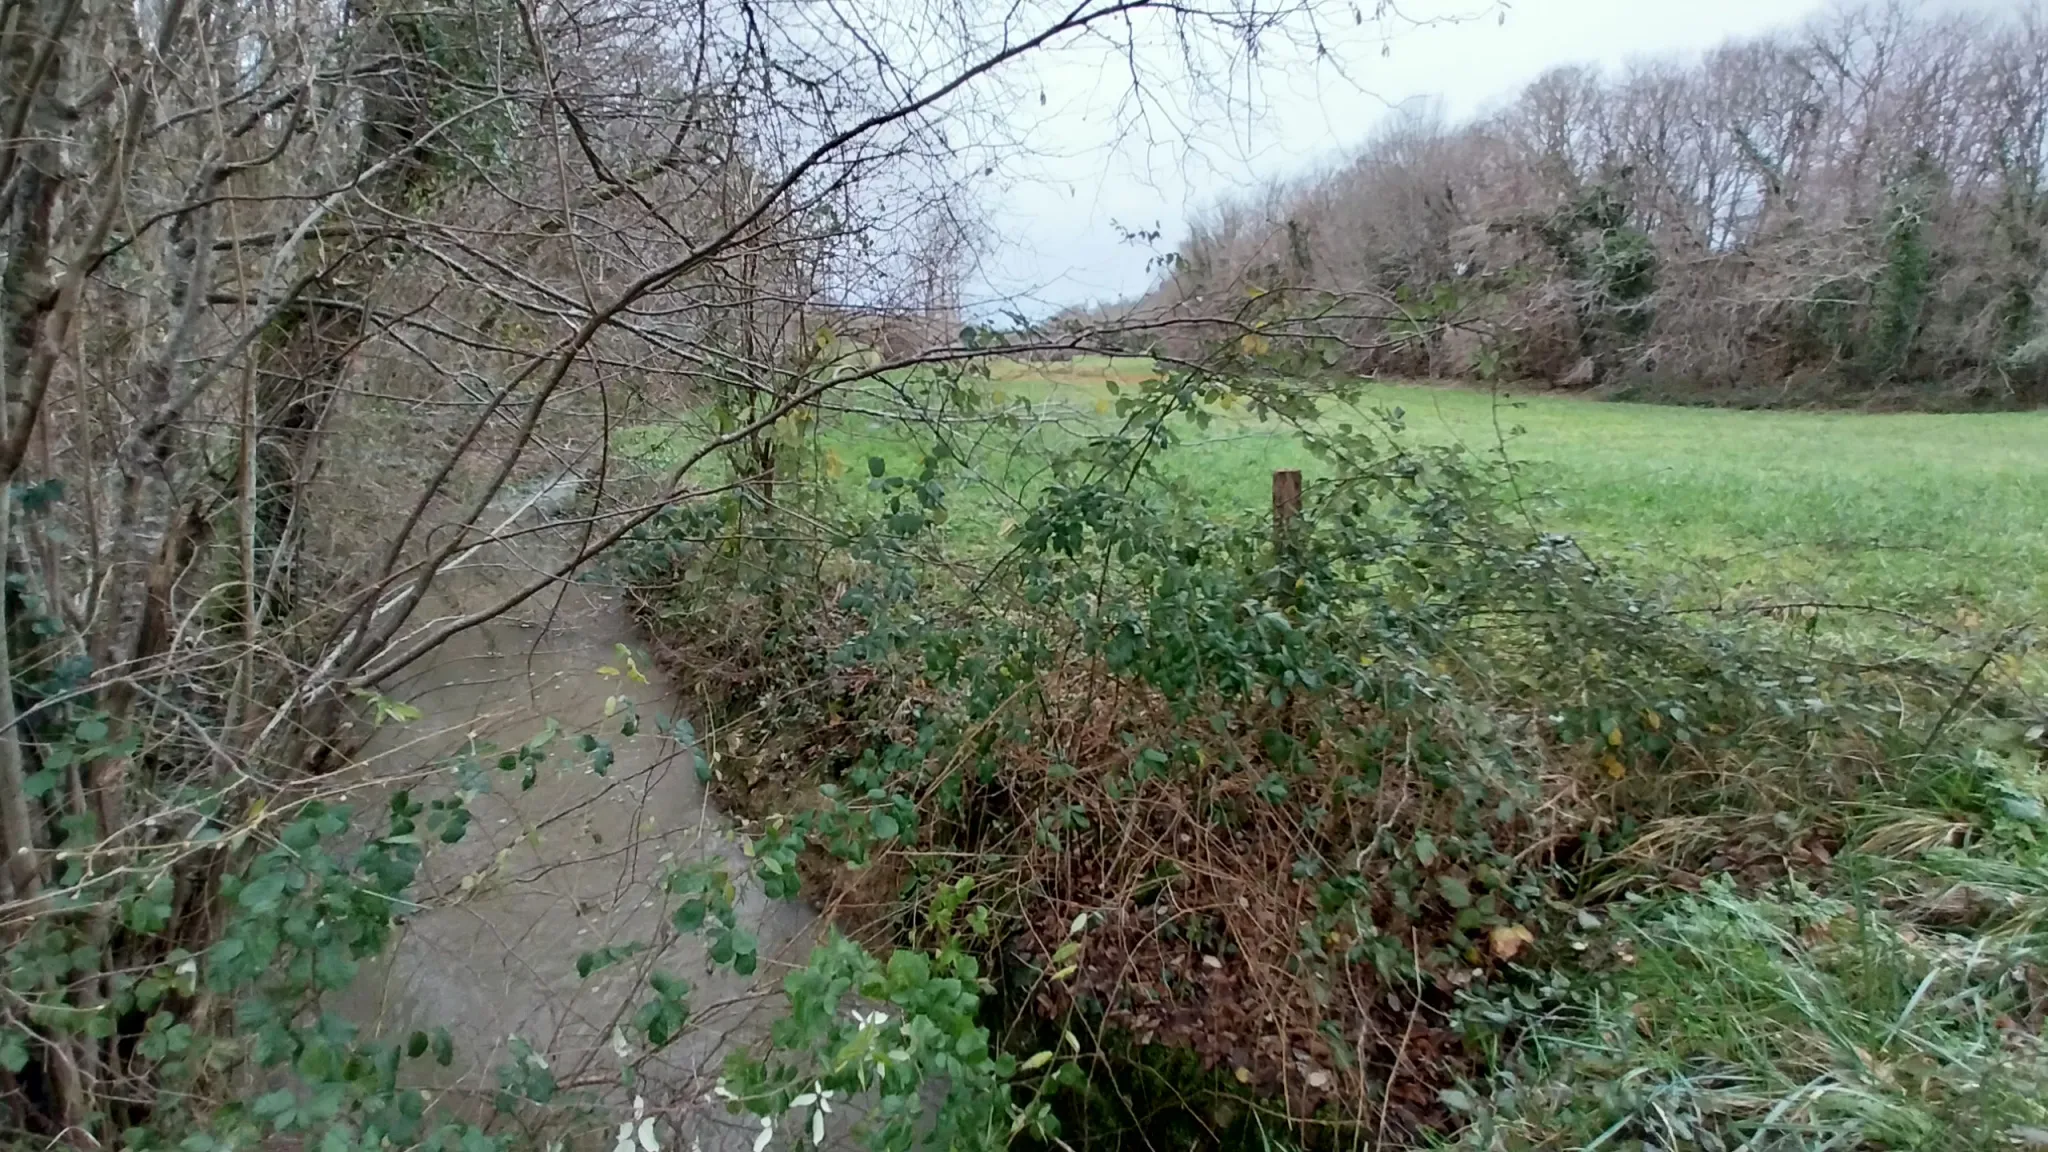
<point x="1296" y="801"/>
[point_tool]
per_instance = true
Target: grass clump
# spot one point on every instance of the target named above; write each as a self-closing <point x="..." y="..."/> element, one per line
<point x="1783" y="1018"/>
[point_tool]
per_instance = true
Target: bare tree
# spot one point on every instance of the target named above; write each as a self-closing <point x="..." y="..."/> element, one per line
<point x="1853" y="210"/>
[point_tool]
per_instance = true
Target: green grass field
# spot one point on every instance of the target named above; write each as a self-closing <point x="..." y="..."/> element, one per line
<point x="1889" y="520"/>
<point x="1941" y="516"/>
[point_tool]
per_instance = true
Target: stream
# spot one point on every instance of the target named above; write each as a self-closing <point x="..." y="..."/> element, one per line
<point x="569" y="867"/>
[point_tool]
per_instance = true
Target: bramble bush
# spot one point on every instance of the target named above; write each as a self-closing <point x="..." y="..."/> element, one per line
<point x="1323" y="804"/>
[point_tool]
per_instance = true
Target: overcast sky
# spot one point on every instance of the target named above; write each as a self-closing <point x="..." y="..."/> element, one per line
<point x="1096" y="165"/>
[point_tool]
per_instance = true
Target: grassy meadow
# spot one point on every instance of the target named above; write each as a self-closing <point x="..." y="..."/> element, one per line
<point x="1886" y="522"/>
<point x="1943" y="517"/>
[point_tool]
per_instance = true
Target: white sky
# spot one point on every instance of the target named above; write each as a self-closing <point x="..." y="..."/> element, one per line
<point x="1055" y="213"/>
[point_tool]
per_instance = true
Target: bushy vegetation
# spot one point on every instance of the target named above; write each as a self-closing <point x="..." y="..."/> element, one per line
<point x="235" y="1033"/>
<point x="315" y="323"/>
<point x="1404" y="820"/>
<point x="345" y="345"/>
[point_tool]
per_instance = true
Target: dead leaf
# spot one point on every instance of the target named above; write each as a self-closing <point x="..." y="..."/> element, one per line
<point x="1508" y="940"/>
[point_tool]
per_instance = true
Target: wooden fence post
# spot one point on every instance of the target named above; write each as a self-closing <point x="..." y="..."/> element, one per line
<point x="1286" y="502"/>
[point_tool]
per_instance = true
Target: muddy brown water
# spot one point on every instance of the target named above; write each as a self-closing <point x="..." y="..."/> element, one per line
<point x="571" y="866"/>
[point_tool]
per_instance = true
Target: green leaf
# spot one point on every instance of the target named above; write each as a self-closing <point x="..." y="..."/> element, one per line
<point x="1455" y="890"/>
<point x="877" y="465"/>
<point x="263" y="893"/>
<point x="604" y="958"/>
<point x="689" y="915"/>
<point x="2024" y="808"/>
<point x="1425" y="849"/>
<point x="13" y="1050"/>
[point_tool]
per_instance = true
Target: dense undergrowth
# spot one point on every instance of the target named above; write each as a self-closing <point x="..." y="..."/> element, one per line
<point x="1404" y="821"/>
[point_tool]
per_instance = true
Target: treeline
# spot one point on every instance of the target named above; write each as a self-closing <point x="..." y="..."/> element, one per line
<point x="1853" y="212"/>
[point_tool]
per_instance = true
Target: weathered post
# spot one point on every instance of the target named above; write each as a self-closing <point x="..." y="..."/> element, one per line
<point x="1286" y="508"/>
<point x="1286" y="503"/>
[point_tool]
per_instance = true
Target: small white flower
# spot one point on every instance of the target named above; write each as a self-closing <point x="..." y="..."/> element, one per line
<point x="647" y="1141"/>
<point x="620" y="1047"/>
<point x="721" y="1091"/>
<point x="767" y="1134"/>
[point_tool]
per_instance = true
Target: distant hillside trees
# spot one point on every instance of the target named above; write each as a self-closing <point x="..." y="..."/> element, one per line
<point x="1852" y="212"/>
